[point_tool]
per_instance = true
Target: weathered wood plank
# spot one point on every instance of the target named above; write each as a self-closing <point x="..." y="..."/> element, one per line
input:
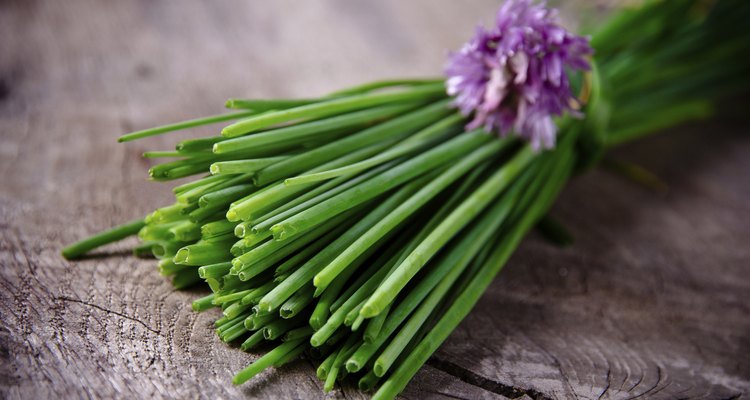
<point x="651" y="301"/>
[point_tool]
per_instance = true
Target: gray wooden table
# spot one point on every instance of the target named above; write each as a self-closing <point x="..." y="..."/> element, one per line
<point x="652" y="301"/>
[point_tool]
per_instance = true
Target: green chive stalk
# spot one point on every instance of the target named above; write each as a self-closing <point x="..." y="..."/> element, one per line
<point x="361" y="227"/>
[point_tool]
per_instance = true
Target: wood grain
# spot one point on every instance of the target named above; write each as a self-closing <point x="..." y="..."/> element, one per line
<point x="650" y="302"/>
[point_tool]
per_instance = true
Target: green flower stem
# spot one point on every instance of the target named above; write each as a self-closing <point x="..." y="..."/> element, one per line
<point x="221" y="198"/>
<point x="312" y="129"/>
<point x="394" y="129"/>
<point x="410" y="206"/>
<point x="144" y="250"/>
<point x="184" y="125"/>
<point x="165" y="214"/>
<point x="320" y="313"/>
<point x="167" y="267"/>
<point x="278" y="327"/>
<point x="669" y="116"/>
<point x="217" y="228"/>
<point x="375" y="325"/>
<point x="341" y="356"/>
<point x="272" y="150"/>
<point x="258" y="313"/>
<point x="332" y="107"/>
<point x="229" y="324"/>
<point x="306" y="272"/>
<point x="193" y="195"/>
<point x="239" y="248"/>
<point x="180" y="168"/>
<point x="466" y="212"/>
<point x="294" y="202"/>
<point x="243" y="166"/>
<point x="203" y="253"/>
<point x="430" y="160"/>
<point x="189" y="208"/>
<point x="261" y="202"/>
<point x="453" y="267"/>
<point x="184" y="171"/>
<point x="297" y="303"/>
<point x="252" y="341"/>
<point x="236" y="309"/>
<point x="332" y="374"/>
<point x="199" y="144"/>
<point x="266" y="361"/>
<point x="205" y="181"/>
<point x="251" y="263"/>
<point x="186" y="231"/>
<point x="292" y="355"/>
<point x="265" y="224"/>
<point x="416" y="295"/>
<point x="214" y="270"/>
<point x="257" y="293"/>
<point x="120" y="232"/>
<point x="229" y="298"/>
<point x="336" y="337"/>
<point x="384" y="262"/>
<point x="268" y="104"/>
<point x="204" y="303"/>
<point x="367" y="87"/>
<point x="157" y="232"/>
<point x="186" y="279"/>
<point x="258" y="321"/>
<point x="469" y="296"/>
<point x="368" y="381"/>
<point x="325" y="366"/>
<point x="242" y="229"/>
<point x="205" y="214"/>
<point x="298" y="333"/>
<point x="225" y="322"/>
<point x="352" y="315"/>
<point x="214" y="284"/>
<point x="171" y="154"/>
<point x="229" y="237"/>
<point x="445" y="272"/>
<point x="292" y="263"/>
<point x="234" y="333"/>
<point x="413" y="235"/>
<point x="326" y="301"/>
<point x="167" y="249"/>
<point x="337" y="318"/>
<point x="420" y="140"/>
<point x="325" y="304"/>
<point x="554" y="231"/>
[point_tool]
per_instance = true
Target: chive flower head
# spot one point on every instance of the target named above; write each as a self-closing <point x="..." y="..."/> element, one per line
<point x="513" y="77"/>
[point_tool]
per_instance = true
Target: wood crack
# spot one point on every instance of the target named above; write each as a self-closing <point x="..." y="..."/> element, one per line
<point x="609" y="383"/>
<point x="490" y="385"/>
<point x="108" y="311"/>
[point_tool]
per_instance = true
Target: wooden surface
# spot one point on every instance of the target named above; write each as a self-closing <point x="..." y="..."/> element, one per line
<point x="652" y="301"/>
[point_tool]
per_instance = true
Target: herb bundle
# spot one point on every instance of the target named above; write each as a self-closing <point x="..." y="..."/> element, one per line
<point x="359" y="228"/>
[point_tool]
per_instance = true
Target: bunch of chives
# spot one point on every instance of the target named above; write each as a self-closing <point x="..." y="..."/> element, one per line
<point x="359" y="228"/>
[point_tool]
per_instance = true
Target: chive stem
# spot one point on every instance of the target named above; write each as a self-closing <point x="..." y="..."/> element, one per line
<point x="120" y="232"/>
<point x="459" y="218"/>
<point x="266" y="361"/>
<point x="183" y="125"/>
<point x="332" y="107"/>
<point x="403" y="172"/>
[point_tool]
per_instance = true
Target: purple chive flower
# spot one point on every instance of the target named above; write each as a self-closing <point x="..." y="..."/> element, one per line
<point x="513" y="77"/>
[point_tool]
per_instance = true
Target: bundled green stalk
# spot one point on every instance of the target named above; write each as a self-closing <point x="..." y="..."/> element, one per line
<point x="360" y="228"/>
